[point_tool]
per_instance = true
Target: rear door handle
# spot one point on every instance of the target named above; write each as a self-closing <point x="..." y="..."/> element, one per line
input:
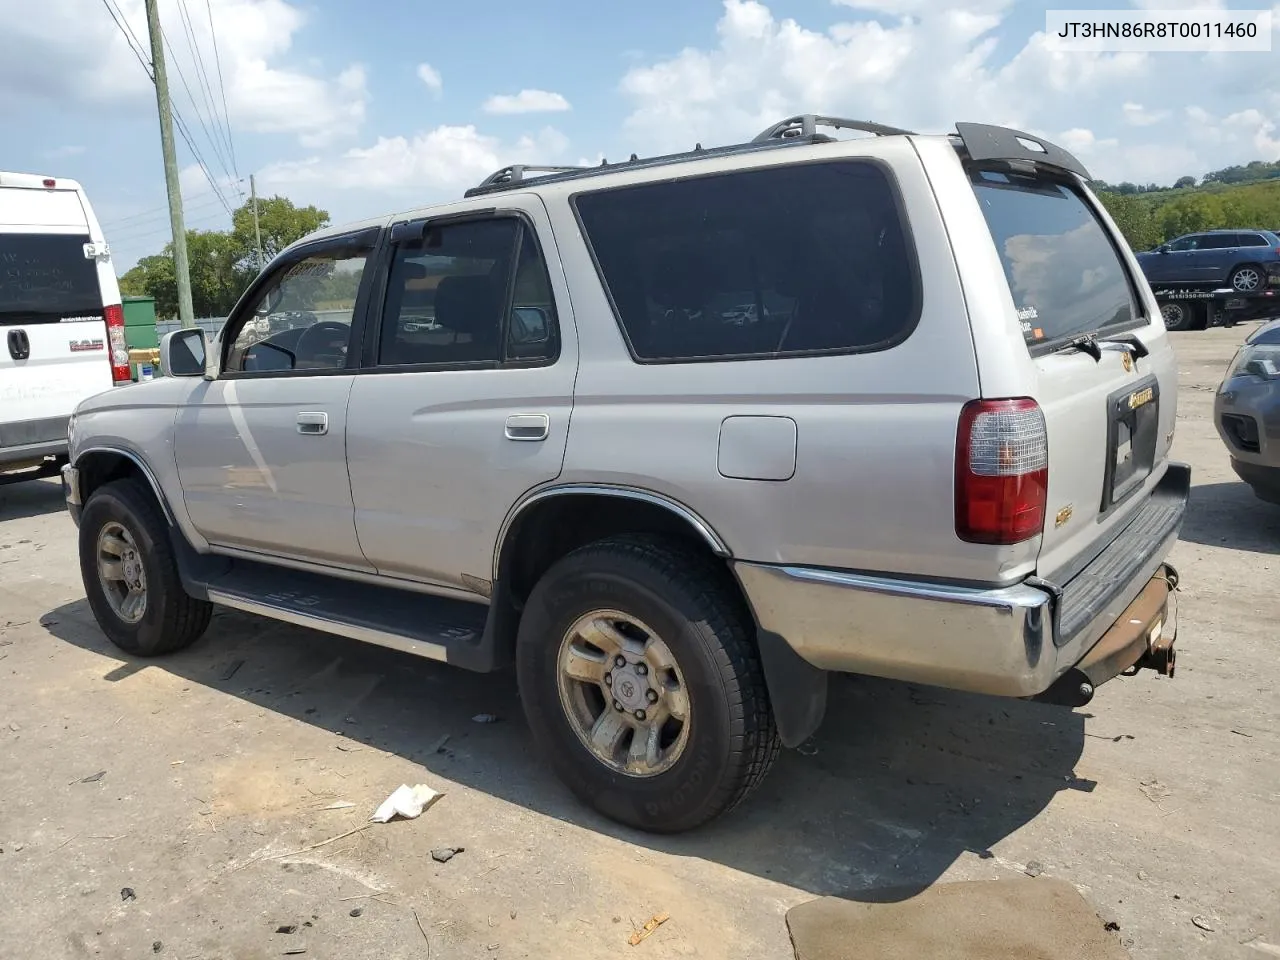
<point x="313" y="423"/>
<point x="528" y="426"/>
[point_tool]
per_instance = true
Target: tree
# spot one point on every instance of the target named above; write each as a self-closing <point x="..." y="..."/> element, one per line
<point x="1184" y="182"/>
<point x="281" y="224"/>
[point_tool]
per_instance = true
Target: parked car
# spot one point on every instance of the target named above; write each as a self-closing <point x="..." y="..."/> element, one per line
<point x="1246" y="412"/>
<point x="1242" y="259"/>
<point x="941" y="456"/>
<point x="60" y="318"/>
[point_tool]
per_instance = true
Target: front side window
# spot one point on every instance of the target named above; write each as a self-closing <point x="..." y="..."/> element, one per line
<point x="1185" y="243"/>
<point x="302" y="319"/>
<point x="1063" y="268"/>
<point x="470" y="293"/>
<point x="793" y="260"/>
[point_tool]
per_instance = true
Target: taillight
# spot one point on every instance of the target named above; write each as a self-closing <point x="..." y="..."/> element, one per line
<point x="118" y="349"/>
<point x="1002" y="471"/>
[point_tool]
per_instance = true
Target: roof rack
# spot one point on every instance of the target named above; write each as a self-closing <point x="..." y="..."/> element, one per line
<point x="516" y="173"/>
<point x="982" y="141"/>
<point x="806" y="126"/>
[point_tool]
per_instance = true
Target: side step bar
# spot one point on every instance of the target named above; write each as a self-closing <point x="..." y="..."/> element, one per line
<point x="439" y="628"/>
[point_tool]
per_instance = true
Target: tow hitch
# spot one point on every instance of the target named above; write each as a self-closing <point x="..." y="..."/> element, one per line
<point x="1142" y="638"/>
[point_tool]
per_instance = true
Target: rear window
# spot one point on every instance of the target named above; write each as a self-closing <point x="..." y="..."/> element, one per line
<point x="46" y="278"/>
<point x="802" y="259"/>
<point x="1063" y="269"/>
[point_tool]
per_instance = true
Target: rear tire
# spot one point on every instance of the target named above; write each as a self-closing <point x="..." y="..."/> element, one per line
<point x="130" y="575"/>
<point x="1177" y="316"/>
<point x="635" y="594"/>
<point x="1247" y="278"/>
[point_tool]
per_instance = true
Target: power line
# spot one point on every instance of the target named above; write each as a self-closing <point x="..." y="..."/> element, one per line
<point x="221" y="86"/>
<point x="135" y="45"/>
<point x="202" y="78"/>
<point x="155" y="213"/>
<point x="217" y="150"/>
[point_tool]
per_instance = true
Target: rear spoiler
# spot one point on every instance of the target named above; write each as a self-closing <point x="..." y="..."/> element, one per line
<point x="985" y="143"/>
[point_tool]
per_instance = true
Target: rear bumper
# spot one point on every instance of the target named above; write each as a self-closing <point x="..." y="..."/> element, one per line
<point x="1012" y="641"/>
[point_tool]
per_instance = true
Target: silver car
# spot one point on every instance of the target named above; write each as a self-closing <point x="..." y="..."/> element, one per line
<point x="939" y="452"/>
<point x="1246" y="412"/>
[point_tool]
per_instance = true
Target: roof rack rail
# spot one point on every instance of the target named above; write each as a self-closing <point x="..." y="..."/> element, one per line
<point x="806" y="125"/>
<point x="516" y="173"/>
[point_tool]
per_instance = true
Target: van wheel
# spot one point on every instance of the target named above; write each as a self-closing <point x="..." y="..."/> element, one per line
<point x="1177" y="316"/>
<point x="1246" y="279"/>
<point x="130" y="576"/>
<point x="642" y="684"/>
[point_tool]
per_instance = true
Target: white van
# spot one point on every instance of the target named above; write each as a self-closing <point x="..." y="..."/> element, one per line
<point x="61" y="323"/>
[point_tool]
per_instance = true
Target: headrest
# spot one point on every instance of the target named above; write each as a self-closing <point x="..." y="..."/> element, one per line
<point x="468" y="303"/>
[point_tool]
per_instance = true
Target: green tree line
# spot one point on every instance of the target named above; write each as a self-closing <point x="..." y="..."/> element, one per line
<point x="1151" y="218"/>
<point x="223" y="262"/>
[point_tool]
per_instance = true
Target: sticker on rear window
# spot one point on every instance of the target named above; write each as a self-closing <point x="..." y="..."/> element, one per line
<point x="1029" y="330"/>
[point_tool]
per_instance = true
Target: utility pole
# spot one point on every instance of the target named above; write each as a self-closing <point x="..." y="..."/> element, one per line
<point x="181" y="266"/>
<point x="257" y="233"/>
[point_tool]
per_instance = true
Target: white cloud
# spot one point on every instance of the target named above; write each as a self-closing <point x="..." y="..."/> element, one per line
<point x="1139" y="116"/>
<point x="72" y="54"/>
<point x="526" y="101"/>
<point x="924" y="65"/>
<point x="431" y="77"/>
<point x="430" y="165"/>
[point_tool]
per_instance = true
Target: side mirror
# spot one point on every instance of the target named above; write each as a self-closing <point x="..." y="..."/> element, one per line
<point x="183" y="353"/>
<point x="1163" y="248"/>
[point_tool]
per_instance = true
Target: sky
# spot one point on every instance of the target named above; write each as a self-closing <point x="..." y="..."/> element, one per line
<point x="363" y="109"/>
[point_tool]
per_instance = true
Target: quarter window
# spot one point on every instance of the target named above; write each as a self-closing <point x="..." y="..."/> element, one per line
<point x="302" y="321"/>
<point x="801" y="259"/>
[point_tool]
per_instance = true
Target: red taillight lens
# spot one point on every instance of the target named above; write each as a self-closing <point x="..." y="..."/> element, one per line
<point x="1002" y="471"/>
<point x="117" y="347"/>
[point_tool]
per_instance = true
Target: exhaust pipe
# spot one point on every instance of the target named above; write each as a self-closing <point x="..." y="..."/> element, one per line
<point x="1161" y="658"/>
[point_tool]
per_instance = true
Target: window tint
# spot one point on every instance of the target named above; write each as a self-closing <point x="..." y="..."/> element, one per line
<point x="1185" y="243"/>
<point x="1217" y="241"/>
<point x="302" y="321"/>
<point x="1252" y="240"/>
<point x="1063" y="269"/>
<point x="46" y="278"/>
<point x="762" y="263"/>
<point x="447" y="293"/>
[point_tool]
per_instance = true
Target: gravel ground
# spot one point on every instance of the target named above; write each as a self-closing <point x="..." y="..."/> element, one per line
<point x="205" y="783"/>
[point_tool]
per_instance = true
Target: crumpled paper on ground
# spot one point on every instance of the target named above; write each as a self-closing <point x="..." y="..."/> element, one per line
<point x="407" y="802"/>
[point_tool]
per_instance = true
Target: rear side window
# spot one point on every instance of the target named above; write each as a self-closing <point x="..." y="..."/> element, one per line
<point x="802" y="259"/>
<point x="1063" y="268"/>
<point x="46" y="278"/>
<point x="1252" y="240"/>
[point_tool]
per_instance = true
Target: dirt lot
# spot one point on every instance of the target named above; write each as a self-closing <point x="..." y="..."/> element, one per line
<point x="209" y="775"/>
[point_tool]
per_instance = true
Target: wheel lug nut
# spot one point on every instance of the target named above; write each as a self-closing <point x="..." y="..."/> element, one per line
<point x="641" y="669"/>
<point x="640" y="715"/>
<point x="617" y="706"/>
<point x="619" y="661"/>
<point x="608" y="679"/>
<point x="652" y="696"/>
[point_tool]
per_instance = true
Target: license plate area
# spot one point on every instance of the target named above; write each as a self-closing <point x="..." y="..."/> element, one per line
<point x="1133" y="427"/>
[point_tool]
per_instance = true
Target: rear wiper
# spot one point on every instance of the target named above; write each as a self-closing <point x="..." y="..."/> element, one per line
<point x="1139" y="348"/>
<point x="1085" y="343"/>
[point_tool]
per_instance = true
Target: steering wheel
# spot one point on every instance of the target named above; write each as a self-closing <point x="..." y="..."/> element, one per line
<point x="311" y="345"/>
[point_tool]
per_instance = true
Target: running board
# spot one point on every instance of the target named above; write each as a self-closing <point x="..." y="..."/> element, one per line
<point x="439" y="628"/>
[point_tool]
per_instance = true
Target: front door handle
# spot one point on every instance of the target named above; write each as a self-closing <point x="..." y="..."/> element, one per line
<point x="528" y="426"/>
<point x="313" y="424"/>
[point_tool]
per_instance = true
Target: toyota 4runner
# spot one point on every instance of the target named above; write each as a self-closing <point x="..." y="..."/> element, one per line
<point x="676" y="437"/>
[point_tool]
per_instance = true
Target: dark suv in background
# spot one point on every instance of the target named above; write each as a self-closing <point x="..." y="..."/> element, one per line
<point x="1246" y="260"/>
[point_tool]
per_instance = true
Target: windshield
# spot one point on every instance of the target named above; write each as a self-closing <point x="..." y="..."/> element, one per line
<point x="46" y="278"/>
<point x="1065" y="274"/>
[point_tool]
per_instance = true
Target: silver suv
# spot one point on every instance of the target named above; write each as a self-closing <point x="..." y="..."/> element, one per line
<point x="676" y="437"/>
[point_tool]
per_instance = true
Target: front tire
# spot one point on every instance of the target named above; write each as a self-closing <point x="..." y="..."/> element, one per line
<point x="130" y="575"/>
<point x="642" y="684"/>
